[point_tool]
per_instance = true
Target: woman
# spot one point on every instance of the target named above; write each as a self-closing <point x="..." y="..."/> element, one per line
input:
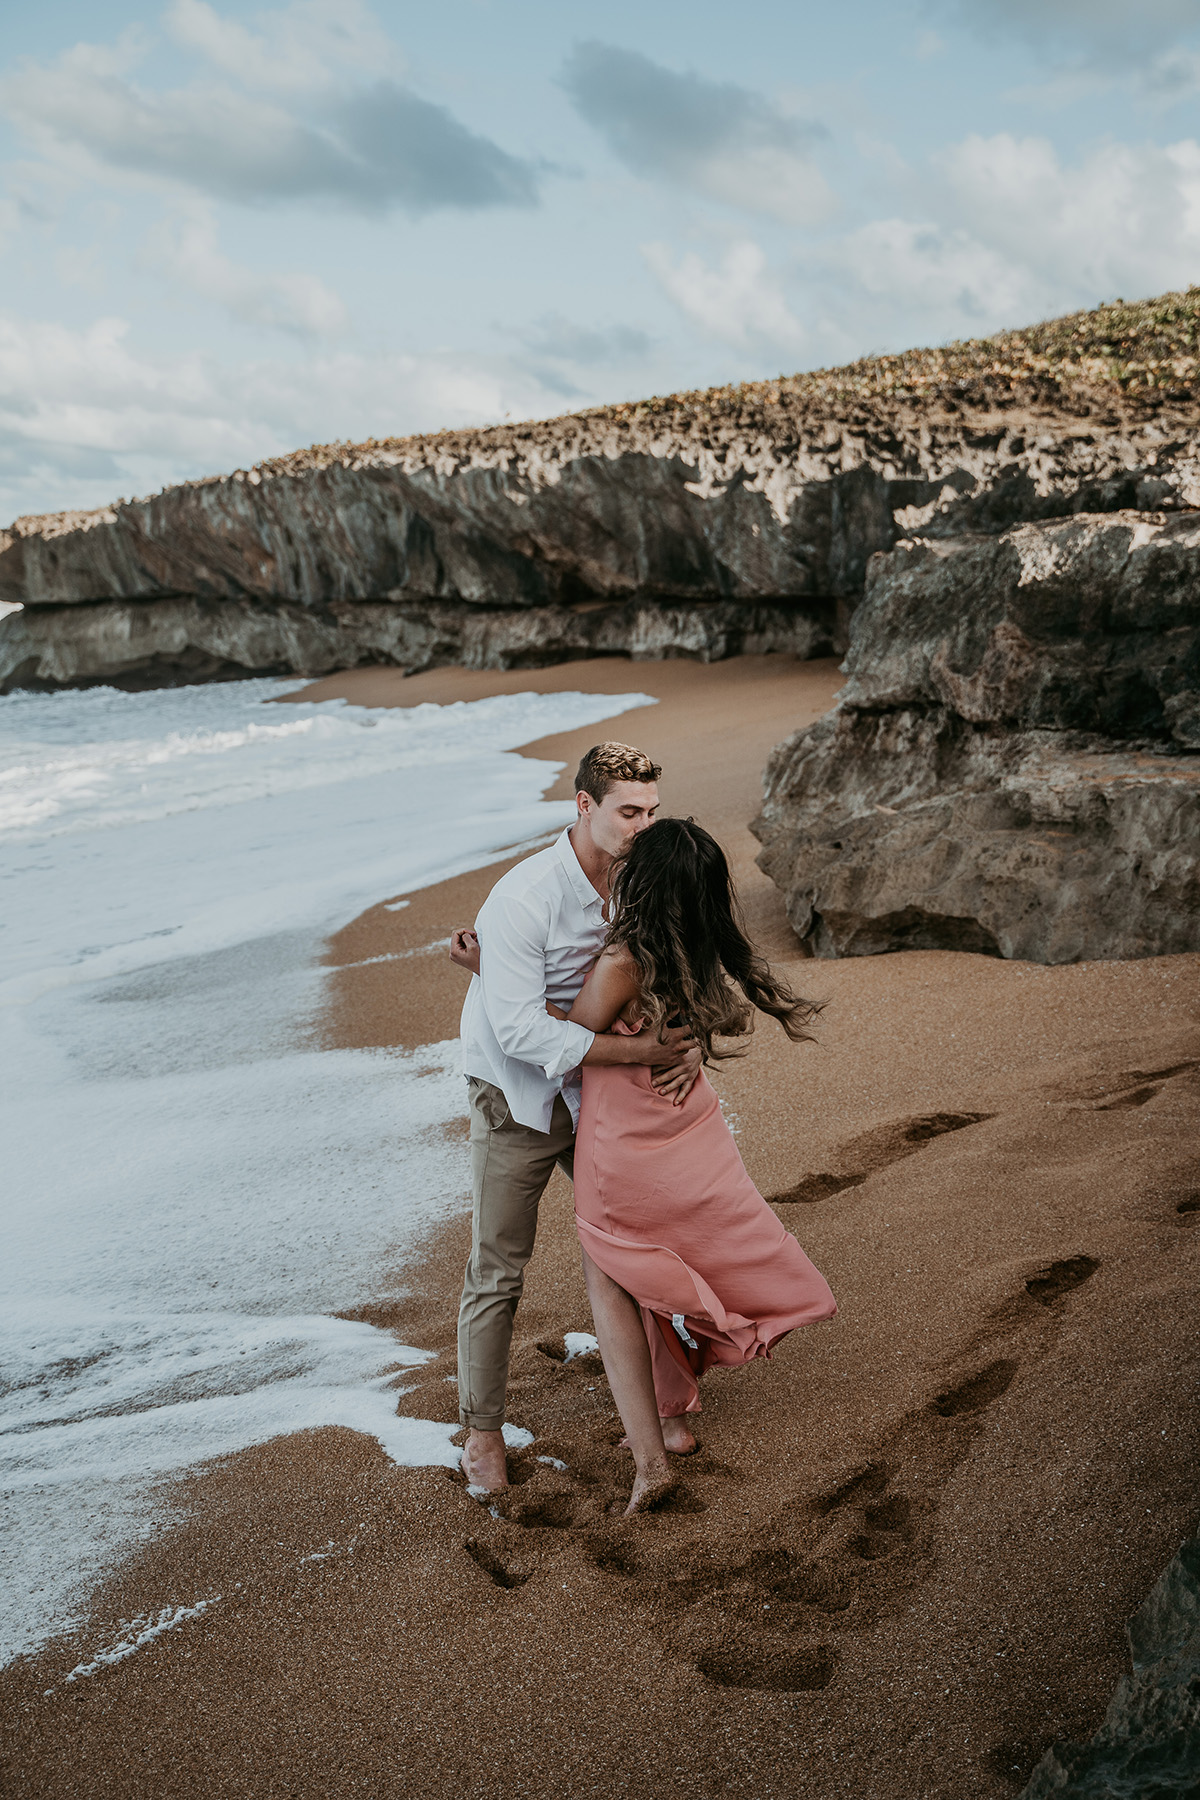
<point x="686" y="1264"/>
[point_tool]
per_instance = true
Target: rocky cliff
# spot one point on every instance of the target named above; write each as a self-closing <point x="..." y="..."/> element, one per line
<point x="696" y="524"/>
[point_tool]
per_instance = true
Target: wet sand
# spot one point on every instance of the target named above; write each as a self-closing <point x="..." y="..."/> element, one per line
<point x="900" y="1564"/>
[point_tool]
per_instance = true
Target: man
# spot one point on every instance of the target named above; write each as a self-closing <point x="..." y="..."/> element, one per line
<point x="538" y="933"/>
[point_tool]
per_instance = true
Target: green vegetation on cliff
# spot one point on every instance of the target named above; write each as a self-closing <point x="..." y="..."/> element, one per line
<point x="1147" y="346"/>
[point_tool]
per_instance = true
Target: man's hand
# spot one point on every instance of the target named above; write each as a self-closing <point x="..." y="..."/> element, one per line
<point x="464" y="949"/>
<point x="675" y="1059"/>
<point x="665" y="1052"/>
<point x="676" y="1080"/>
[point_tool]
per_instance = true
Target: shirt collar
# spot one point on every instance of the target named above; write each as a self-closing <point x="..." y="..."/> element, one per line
<point x="584" y="890"/>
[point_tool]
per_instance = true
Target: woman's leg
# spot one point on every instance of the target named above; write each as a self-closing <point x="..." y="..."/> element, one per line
<point x="627" y="1364"/>
<point x="676" y="1391"/>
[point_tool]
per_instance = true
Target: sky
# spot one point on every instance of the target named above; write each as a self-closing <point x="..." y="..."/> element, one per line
<point x="228" y="231"/>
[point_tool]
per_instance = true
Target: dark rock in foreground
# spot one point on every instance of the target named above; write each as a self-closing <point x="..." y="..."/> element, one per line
<point x="1011" y="767"/>
<point x="1148" y="1747"/>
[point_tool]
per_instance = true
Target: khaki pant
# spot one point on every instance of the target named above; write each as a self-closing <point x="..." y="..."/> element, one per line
<point x="510" y="1166"/>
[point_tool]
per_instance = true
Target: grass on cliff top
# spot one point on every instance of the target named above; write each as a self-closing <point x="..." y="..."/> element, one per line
<point x="1146" y="345"/>
<point x="1127" y="346"/>
<point x="1131" y="354"/>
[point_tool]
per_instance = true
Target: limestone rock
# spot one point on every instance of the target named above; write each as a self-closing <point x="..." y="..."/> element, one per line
<point x="1007" y="770"/>
<point x="772" y="497"/>
<point x="1149" y="1743"/>
<point x="916" y="830"/>
<point x="1091" y="624"/>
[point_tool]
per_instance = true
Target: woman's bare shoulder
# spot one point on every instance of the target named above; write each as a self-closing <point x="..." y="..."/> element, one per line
<point x="617" y="957"/>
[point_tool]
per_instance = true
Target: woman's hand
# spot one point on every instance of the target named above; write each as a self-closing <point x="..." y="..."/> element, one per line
<point x="464" y="949"/>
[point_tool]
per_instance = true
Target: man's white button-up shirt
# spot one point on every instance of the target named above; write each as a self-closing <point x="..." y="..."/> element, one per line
<point x="540" y="930"/>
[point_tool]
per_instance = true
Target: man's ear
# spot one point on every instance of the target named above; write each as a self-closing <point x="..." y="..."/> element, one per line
<point x="583" y="804"/>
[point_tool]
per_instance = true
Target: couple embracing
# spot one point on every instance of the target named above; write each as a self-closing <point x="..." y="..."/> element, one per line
<point x="604" y="968"/>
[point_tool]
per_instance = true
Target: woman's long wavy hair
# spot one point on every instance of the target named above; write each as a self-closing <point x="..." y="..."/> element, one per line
<point x="676" y="914"/>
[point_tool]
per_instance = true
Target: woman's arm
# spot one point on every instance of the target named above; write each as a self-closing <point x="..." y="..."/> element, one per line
<point x="612" y="989"/>
<point x="607" y="992"/>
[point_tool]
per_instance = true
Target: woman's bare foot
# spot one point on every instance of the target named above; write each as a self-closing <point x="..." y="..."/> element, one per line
<point x="484" y="1462"/>
<point x="676" y="1437"/>
<point x="651" y="1487"/>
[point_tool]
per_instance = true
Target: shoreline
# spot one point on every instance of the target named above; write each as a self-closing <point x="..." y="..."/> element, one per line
<point x="903" y="1559"/>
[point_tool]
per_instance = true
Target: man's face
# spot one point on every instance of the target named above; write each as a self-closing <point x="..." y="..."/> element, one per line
<point x="627" y="808"/>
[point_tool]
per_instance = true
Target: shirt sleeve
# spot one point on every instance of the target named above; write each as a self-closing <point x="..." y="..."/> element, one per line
<point x="512" y="977"/>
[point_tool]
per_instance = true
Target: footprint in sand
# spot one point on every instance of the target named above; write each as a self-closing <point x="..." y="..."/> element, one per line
<point x="505" y="1573"/>
<point x="976" y="1392"/>
<point x="874" y="1150"/>
<point x="1059" y="1278"/>
<point x="1131" y="1087"/>
<point x="842" y="1559"/>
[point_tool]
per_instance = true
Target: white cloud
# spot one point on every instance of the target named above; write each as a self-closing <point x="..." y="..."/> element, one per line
<point x="186" y="251"/>
<point x="84" y="416"/>
<point x="946" y="275"/>
<point x="299" y="48"/>
<point x="738" y="301"/>
<point x="372" y="146"/>
<point x="1013" y="233"/>
<point x="1008" y="232"/>
<point x="1123" y="219"/>
<point x="713" y="137"/>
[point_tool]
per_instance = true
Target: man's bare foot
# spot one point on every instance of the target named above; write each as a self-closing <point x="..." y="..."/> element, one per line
<point x="676" y="1437"/>
<point x="483" y="1460"/>
<point x="650" y="1488"/>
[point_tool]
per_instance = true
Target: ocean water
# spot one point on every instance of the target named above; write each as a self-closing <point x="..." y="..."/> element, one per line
<point x="191" y="1188"/>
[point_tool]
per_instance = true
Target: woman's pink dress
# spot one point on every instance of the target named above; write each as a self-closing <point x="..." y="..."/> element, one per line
<point x="664" y="1205"/>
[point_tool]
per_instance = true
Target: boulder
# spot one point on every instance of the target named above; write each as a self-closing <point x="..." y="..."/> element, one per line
<point x="1011" y="766"/>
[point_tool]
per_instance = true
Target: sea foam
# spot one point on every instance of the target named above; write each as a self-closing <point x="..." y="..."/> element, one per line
<point x="192" y="1186"/>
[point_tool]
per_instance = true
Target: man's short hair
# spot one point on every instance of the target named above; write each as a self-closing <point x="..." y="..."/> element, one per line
<point x="606" y="764"/>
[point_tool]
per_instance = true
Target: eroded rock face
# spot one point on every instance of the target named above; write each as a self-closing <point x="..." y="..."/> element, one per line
<point x="516" y="532"/>
<point x="1008" y="768"/>
<point x="165" y="643"/>
<point x="765" y="499"/>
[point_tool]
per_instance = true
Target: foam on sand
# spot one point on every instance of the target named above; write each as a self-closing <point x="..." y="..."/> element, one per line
<point x="139" y="1632"/>
<point x="192" y="1188"/>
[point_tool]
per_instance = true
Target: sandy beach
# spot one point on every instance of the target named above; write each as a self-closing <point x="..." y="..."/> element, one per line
<point x="901" y="1563"/>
